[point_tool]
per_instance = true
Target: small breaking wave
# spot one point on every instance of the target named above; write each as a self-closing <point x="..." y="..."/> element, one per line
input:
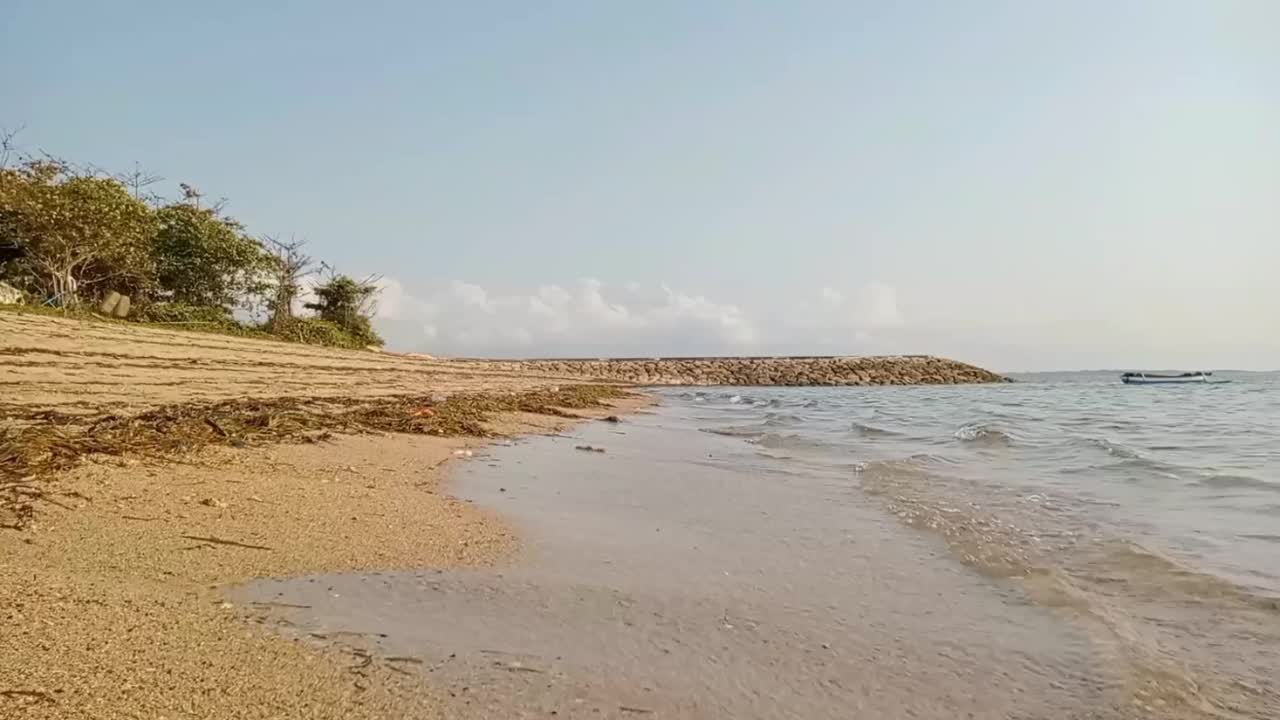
<point x="788" y="441"/>
<point x="1132" y="463"/>
<point x="1105" y="581"/>
<point x="777" y="419"/>
<point x="1238" y="481"/>
<point x="984" y="435"/>
<point x="1116" y="449"/>
<point x="739" y="431"/>
<point x="1265" y="537"/>
<point x="872" y="431"/>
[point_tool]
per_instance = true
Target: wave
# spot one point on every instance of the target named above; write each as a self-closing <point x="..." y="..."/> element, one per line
<point x="788" y="441"/>
<point x="872" y="431"/>
<point x="1265" y="537"/>
<point x="984" y="435"/>
<point x="1130" y="461"/>
<point x="1125" y="594"/>
<point x="739" y="431"/>
<point x="1238" y="481"/>
<point x="777" y="419"/>
<point x="1114" y="448"/>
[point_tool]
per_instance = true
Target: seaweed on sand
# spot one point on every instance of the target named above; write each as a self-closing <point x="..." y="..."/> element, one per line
<point x="36" y="445"/>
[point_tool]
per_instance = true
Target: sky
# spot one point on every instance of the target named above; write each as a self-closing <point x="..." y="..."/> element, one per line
<point x="1020" y="184"/>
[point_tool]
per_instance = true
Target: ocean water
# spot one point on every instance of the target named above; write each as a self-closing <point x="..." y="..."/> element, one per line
<point x="1148" y="515"/>
<point x="1189" y="472"/>
<point x="1061" y="547"/>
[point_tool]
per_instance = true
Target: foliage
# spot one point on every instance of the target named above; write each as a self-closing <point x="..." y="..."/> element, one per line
<point x="183" y="313"/>
<point x="69" y="235"/>
<point x="349" y="304"/>
<point x="288" y="266"/>
<point x="82" y="234"/>
<point x="317" y="331"/>
<point x="203" y="258"/>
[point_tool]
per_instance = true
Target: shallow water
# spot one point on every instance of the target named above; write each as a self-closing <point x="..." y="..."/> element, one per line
<point x="1151" y="513"/>
<point x="1069" y="548"/>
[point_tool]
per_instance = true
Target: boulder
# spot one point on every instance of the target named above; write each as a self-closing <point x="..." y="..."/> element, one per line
<point x="108" y="304"/>
<point x="9" y="295"/>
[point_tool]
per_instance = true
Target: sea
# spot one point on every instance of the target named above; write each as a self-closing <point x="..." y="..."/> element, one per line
<point x="1063" y="546"/>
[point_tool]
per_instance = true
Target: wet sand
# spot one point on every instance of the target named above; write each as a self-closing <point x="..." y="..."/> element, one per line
<point x="660" y="579"/>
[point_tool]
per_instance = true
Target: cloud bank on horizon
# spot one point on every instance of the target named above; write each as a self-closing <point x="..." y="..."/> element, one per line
<point x="589" y="318"/>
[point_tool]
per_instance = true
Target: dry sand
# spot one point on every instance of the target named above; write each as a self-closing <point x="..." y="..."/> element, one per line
<point x="111" y="607"/>
<point x="76" y="364"/>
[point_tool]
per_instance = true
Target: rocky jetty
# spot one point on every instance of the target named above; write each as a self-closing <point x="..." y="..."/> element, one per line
<point x="892" y="370"/>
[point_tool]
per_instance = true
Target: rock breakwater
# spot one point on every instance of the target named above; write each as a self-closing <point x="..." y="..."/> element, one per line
<point x="891" y="370"/>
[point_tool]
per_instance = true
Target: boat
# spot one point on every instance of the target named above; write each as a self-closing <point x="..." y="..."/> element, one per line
<point x="1142" y="378"/>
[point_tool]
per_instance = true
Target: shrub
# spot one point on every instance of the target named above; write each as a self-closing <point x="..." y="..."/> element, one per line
<point x="174" y="312"/>
<point x="315" y="331"/>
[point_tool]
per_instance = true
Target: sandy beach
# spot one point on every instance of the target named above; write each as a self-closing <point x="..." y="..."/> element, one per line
<point x="202" y="526"/>
<point x="113" y="596"/>
<point x="73" y="365"/>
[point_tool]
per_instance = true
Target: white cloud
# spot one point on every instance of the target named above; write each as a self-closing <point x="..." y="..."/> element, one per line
<point x="873" y="306"/>
<point x="588" y="318"/>
<point x="392" y="298"/>
<point x="877" y="307"/>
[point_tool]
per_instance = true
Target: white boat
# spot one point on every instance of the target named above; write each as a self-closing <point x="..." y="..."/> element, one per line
<point x="1141" y="378"/>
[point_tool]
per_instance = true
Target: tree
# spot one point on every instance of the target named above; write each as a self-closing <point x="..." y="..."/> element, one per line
<point x="288" y="266"/>
<point x="82" y="234"/>
<point x="348" y="303"/>
<point x="203" y="258"/>
<point x="138" y="180"/>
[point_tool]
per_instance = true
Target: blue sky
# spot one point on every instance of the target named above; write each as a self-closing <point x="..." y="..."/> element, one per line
<point x="1026" y="185"/>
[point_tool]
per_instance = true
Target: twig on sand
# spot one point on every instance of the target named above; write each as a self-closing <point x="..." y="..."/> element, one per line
<point x="36" y="694"/>
<point x="138" y="517"/>
<point x="642" y="711"/>
<point x="220" y="541"/>
<point x="396" y="658"/>
<point x="216" y="427"/>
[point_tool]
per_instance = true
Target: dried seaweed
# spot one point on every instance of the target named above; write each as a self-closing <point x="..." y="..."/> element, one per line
<point x="37" y="445"/>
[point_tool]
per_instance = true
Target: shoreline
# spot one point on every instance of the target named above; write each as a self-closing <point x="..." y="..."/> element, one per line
<point x="77" y="366"/>
<point x="115" y="598"/>
<point x="681" y="575"/>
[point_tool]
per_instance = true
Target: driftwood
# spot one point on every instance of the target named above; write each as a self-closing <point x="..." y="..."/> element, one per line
<point x="220" y="541"/>
<point x="33" y="694"/>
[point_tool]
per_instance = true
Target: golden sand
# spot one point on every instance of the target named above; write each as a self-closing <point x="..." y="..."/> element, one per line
<point x="111" y="603"/>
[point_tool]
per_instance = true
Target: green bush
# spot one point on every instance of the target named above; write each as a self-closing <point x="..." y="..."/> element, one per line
<point x="314" y="331"/>
<point x="349" y="303"/>
<point x="184" y="313"/>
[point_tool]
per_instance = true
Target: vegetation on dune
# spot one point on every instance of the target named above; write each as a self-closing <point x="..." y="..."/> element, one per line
<point x="72" y="236"/>
<point x="80" y="234"/>
<point x="347" y="303"/>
